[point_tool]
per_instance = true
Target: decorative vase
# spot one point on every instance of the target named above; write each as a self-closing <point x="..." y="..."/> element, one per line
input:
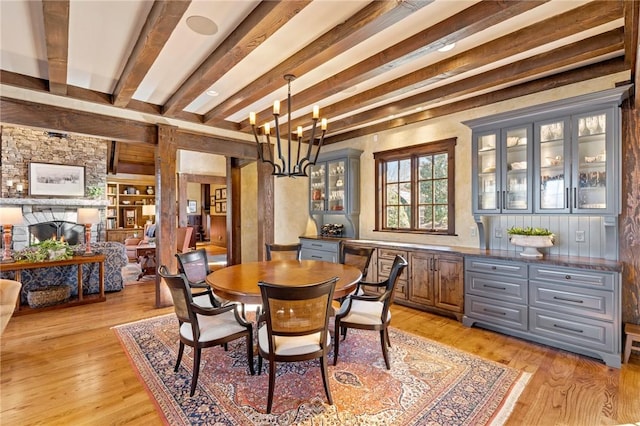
<point x="531" y="243"/>
<point x="149" y="190"/>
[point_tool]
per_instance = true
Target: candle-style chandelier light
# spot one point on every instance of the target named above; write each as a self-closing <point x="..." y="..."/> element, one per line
<point x="289" y="160"/>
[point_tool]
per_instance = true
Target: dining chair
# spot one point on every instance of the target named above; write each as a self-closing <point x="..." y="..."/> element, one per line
<point x="283" y="251"/>
<point x="195" y="266"/>
<point x="369" y="311"/>
<point x="294" y="327"/>
<point x="360" y="257"/>
<point x="204" y="327"/>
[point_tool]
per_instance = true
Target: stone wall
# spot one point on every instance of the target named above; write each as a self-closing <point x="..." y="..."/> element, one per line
<point x="21" y="146"/>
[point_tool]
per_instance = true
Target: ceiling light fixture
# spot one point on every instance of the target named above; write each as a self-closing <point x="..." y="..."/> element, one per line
<point x="282" y="165"/>
<point x="212" y="93"/>
<point x="447" y="47"/>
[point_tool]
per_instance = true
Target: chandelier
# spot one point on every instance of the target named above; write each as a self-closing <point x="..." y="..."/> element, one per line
<point x="289" y="159"/>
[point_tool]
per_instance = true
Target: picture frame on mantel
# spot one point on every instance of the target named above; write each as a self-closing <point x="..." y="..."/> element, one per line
<point x="57" y="180"/>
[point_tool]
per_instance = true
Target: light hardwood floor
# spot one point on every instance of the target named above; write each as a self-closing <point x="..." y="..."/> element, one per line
<point x="66" y="367"/>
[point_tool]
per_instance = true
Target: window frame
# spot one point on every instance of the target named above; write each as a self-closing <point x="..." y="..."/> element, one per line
<point x="443" y="146"/>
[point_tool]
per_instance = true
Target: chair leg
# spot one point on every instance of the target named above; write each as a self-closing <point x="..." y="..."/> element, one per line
<point x="384" y="349"/>
<point x="272" y="384"/>
<point x="325" y="378"/>
<point x="386" y="332"/>
<point x="180" y="352"/>
<point x="259" y="364"/>
<point x="336" y="342"/>
<point x="250" y="352"/>
<point x="196" y="369"/>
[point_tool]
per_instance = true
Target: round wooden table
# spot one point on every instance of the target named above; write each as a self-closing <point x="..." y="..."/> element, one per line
<point x="240" y="282"/>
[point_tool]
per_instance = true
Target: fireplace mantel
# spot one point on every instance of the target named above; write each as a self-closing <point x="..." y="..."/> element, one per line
<point x="53" y="202"/>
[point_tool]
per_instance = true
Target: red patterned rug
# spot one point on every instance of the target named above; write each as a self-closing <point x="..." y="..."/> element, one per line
<point x="428" y="384"/>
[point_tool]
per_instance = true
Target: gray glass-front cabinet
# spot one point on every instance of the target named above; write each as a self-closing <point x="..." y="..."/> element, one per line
<point x="575" y="157"/>
<point x="334" y="190"/>
<point x="555" y="158"/>
<point x="502" y="165"/>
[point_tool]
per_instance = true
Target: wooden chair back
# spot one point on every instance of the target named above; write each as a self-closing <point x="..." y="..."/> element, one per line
<point x="283" y="251"/>
<point x="183" y="238"/>
<point x="195" y="266"/>
<point x="360" y="257"/>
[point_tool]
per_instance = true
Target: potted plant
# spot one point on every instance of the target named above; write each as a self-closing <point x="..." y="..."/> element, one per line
<point x="46" y="250"/>
<point x="531" y="239"/>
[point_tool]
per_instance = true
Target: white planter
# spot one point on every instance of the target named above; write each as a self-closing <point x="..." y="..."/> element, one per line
<point x="531" y="243"/>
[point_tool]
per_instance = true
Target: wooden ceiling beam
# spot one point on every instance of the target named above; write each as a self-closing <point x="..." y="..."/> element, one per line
<point x="370" y="20"/>
<point x="566" y="24"/>
<point x="589" y="72"/>
<point x="632" y="44"/>
<point x="261" y="23"/>
<point x="56" y="28"/>
<point x="470" y="21"/>
<point x="581" y="51"/>
<point x="224" y="146"/>
<point x="163" y="18"/>
<point x="60" y="119"/>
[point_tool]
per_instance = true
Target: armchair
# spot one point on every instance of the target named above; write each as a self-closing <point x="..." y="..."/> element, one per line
<point x="131" y="242"/>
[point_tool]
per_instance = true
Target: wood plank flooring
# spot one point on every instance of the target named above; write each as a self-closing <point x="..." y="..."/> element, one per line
<point x="66" y="367"/>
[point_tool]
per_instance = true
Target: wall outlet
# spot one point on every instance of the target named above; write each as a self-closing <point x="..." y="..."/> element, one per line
<point x="474" y="231"/>
<point x="498" y="233"/>
<point x="580" y="237"/>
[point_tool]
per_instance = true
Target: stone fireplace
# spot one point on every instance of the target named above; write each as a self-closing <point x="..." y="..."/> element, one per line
<point x="45" y="218"/>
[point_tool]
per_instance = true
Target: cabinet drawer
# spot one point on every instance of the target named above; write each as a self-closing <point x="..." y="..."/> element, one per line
<point x="497" y="287"/>
<point x="384" y="269"/>
<point x="386" y="253"/>
<point x="496" y="312"/>
<point x="309" y="254"/>
<point x="401" y="290"/>
<point x="320" y="245"/>
<point x="512" y="269"/>
<point x="580" y="277"/>
<point x="573" y="300"/>
<point x="584" y="332"/>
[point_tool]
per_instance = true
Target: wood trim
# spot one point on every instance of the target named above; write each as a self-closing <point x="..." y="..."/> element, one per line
<point x="629" y="229"/>
<point x="212" y="144"/>
<point x="632" y="42"/>
<point x="166" y="168"/>
<point x="234" y="207"/>
<point x="266" y="208"/>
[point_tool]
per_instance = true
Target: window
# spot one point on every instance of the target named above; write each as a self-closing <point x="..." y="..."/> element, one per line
<point x="415" y="188"/>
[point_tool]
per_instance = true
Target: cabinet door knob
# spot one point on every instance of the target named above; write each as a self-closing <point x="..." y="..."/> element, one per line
<point x="494" y="267"/>
<point x="567" y="277"/>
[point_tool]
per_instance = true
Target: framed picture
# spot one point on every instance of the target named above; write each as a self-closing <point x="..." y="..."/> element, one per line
<point x="213" y="200"/>
<point x="130" y="218"/>
<point x="192" y="206"/>
<point x="56" y="180"/>
<point x="218" y="207"/>
<point x="224" y="207"/>
<point x="223" y="193"/>
<point x="218" y="193"/>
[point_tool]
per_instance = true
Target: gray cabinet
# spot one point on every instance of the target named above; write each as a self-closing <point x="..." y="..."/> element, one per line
<point x="559" y="157"/>
<point x="316" y="249"/>
<point x="570" y="308"/>
<point x="334" y="190"/>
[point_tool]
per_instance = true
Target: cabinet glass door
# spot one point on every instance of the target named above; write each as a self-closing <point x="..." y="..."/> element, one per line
<point x="336" y="185"/>
<point x="551" y="153"/>
<point x="591" y="177"/>
<point x="317" y="187"/>
<point x="516" y="170"/>
<point x="487" y="186"/>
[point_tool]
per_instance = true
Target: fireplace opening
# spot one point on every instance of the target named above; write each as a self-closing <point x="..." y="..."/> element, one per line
<point x="71" y="232"/>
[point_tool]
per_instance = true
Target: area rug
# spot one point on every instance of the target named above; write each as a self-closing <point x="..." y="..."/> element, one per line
<point x="428" y="384"/>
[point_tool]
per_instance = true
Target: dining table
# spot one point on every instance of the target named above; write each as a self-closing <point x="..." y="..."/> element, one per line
<point x="239" y="283"/>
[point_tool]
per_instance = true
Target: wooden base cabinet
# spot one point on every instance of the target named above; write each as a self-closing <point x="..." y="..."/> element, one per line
<point x="436" y="282"/>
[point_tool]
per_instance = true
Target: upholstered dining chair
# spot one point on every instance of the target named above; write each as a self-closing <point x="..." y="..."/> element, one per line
<point x="369" y="311"/>
<point x="294" y="327"/>
<point x="283" y="251"/>
<point x="204" y="327"/>
<point x="195" y="265"/>
<point x="360" y="257"/>
<point x="9" y="293"/>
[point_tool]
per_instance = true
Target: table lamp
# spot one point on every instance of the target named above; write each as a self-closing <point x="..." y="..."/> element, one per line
<point x="88" y="216"/>
<point x="9" y="216"/>
<point x="149" y="210"/>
